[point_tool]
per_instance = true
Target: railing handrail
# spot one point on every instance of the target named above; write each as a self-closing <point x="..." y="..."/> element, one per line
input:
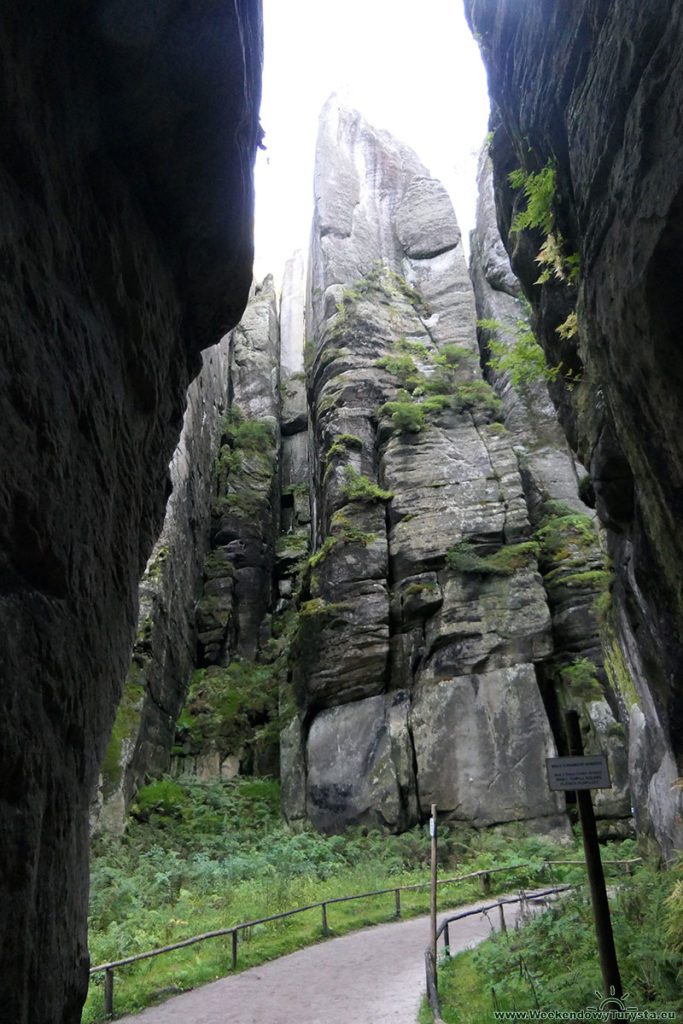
<point x="298" y="910"/>
<point x="233" y="930"/>
<point x="315" y="906"/>
<point x="430" y="964"/>
<point x="500" y="902"/>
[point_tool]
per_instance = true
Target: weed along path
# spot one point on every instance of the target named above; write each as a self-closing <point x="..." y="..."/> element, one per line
<point x="374" y="976"/>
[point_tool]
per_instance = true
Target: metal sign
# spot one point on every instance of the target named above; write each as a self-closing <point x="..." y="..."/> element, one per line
<point x="575" y="773"/>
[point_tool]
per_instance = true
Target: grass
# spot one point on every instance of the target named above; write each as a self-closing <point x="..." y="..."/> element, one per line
<point x="552" y="964"/>
<point x="204" y="856"/>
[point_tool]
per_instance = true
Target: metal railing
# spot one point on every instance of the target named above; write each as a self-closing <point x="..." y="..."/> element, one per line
<point x="523" y="898"/>
<point x="109" y="968"/>
<point x="430" y="964"/>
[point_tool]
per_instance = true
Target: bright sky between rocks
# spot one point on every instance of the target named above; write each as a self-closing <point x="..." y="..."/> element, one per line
<point x="411" y="68"/>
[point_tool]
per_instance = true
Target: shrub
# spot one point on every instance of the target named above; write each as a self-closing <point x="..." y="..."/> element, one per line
<point x="463" y="558"/>
<point x="407" y="416"/>
<point x="360" y="488"/>
<point x="581" y="679"/>
<point x="478" y="394"/>
<point x="523" y="359"/>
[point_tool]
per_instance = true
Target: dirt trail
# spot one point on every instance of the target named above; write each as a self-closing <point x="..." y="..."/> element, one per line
<point x="375" y="976"/>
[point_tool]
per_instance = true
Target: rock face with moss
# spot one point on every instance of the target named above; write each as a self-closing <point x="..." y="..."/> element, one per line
<point x="584" y="120"/>
<point x="576" y="572"/>
<point x="164" y="651"/>
<point x="423" y="621"/>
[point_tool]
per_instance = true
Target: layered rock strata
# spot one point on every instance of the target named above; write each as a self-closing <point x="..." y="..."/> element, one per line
<point x="164" y="654"/>
<point x="423" y="623"/>
<point x="576" y="571"/>
<point x="419" y="580"/>
<point x="593" y="92"/>
<point x="126" y="190"/>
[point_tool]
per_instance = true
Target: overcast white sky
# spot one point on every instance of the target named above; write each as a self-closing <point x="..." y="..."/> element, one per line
<point x="410" y="67"/>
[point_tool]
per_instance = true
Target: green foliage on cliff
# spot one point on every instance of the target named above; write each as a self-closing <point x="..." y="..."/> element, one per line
<point x="407" y="415"/>
<point x="230" y="709"/>
<point x="539" y="191"/>
<point x="252" y="435"/>
<point x="522" y="359"/>
<point x="433" y="389"/>
<point x="125" y="728"/>
<point x="581" y="679"/>
<point x="358" y="487"/>
<point x="463" y="558"/>
<point x="344" y="444"/>
<point x="478" y="395"/>
<point x="563" y="528"/>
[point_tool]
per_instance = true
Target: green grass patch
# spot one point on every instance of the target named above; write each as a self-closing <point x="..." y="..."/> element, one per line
<point x="201" y="856"/>
<point x="552" y="963"/>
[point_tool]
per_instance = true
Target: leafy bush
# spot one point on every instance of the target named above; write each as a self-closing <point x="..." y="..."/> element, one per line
<point x="403" y="367"/>
<point x="523" y="359"/>
<point x="360" y="488"/>
<point x="581" y="679"/>
<point x="552" y="963"/>
<point x="478" y="394"/>
<point x="407" y="416"/>
<point x="463" y="558"/>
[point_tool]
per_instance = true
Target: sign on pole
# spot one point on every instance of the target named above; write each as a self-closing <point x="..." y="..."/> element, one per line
<point x="575" y="773"/>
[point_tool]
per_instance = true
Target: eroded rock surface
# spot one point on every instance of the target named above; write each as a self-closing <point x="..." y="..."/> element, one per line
<point x="594" y="91"/>
<point x="126" y="190"/>
<point x="425" y="592"/>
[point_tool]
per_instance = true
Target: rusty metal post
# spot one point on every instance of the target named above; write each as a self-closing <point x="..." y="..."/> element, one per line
<point x="324" y="910"/>
<point x="109" y="991"/>
<point x="398" y="902"/>
<point x="503" y="926"/>
<point x="234" y="950"/>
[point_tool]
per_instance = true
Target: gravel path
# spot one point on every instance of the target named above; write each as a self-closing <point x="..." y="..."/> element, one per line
<point x="375" y="976"/>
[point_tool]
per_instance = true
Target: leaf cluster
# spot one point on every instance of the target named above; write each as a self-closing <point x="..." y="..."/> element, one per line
<point x="463" y="557"/>
<point x="358" y="487"/>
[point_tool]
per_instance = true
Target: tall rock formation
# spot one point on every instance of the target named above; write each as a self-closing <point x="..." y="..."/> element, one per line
<point x="588" y="96"/>
<point x="128" y="138"/>
<point x="164" y="654"/>
<point x="576" y="573"/>
<point x="405" y="585"/>
<point x="423" y="622"/>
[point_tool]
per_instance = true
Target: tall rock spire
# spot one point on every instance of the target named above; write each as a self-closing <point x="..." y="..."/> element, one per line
<point x="422" y="615"/>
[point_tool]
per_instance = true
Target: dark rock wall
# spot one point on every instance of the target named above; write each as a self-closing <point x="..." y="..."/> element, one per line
<point x="127" y="146"/>
<point x="576" y="571"/>
<point x="165" y="650"/>
<point x="597" y="88"/>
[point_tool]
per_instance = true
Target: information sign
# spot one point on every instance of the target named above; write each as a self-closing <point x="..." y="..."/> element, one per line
<point x="588" y="772"/>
